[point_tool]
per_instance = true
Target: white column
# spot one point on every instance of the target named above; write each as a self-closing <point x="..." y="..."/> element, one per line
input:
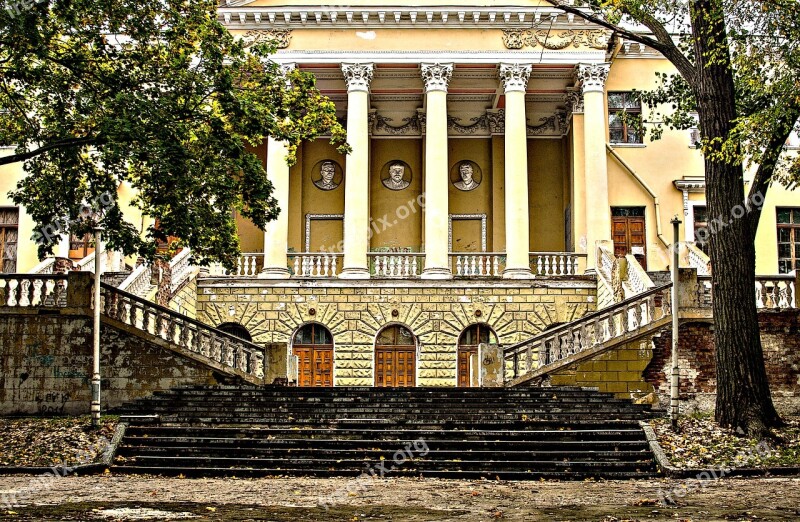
<point x="598" y="212"/>
<point x="436" y="77"/>
<point x="515" y="81"/>
<point x="356" y="181"/>
<point x="276" y="235"/>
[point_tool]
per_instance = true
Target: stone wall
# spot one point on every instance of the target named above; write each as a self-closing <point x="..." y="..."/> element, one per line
<point x="436" y="312"/>
<point x="46" y="364"/>
<point x="780" y="337"/>
<point x="185" y="299"/>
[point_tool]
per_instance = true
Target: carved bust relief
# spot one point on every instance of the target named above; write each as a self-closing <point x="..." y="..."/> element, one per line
<point x="467" y="179"/>
<point x="398" y="177"/>
<point x="329" y="177"/>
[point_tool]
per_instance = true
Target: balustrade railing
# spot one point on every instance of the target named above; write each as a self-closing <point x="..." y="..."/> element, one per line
<point x="184" y="332"/>
<point x="595" y="329"/>
<point x="697" y="259"/>
<point x="27" y="290"/>
<point x="315" y="264"/>
<point x="396" y="264"/>
<point x="776" y="292"/>
<point x="45" y="267"/>
<point x="139" y="281"/>
<point x="482" y="264"/>
<point x="555" y="263"/>
<point x="180" y="269"/>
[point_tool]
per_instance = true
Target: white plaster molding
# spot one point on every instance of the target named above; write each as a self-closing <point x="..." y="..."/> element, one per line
<point x="436" y="76"/>
<point x="515" y="76"/>
<point x="358" y="76"/>
<point x="328" y="56"/>
<point x="593" y="76"/>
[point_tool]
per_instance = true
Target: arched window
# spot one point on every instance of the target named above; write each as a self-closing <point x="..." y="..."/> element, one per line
<point x="313" y="346"/>
<point x="468" y="352"/>
<point x="395" y="357"/>
<point x="236" y="330"/>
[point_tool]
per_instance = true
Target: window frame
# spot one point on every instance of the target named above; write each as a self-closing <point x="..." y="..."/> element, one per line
<point x="793" y="226"/>
<point x="4" y="228"/>
<point x="623" y="126"/>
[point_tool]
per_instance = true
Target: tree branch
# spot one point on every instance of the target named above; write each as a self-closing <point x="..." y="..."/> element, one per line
<point x="769" y="160"/>
<point x="662" y="43"/>
<point x="62" y="144"/>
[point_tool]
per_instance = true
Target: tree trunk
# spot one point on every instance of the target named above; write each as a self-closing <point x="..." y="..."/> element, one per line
<point x="743" y="396"/>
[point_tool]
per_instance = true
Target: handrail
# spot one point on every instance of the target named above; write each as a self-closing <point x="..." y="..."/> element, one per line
<point x="239" y="356"/>
<point x="168" y="311"/>
<point x="588" y="317"/>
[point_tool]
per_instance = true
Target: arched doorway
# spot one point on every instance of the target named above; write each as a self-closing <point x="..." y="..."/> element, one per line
<point x="236" y="330"/>
<point x="468" y="352"/>
<point x="313" y="347"/>
<point x="395" y="357"/>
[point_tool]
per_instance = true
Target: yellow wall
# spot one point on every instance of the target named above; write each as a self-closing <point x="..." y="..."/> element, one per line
<point x="767" y="236"/>
<point x="546" y="194"/>
<point x="326" y="235"/>
<point x="467" y="234"/>
<point x="396" y="214"/>
<point x="10" y="175"/>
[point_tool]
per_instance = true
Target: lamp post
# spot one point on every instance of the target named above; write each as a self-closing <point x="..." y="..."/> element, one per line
<point x="98" y="267"/>
<point x="674" y="381"/>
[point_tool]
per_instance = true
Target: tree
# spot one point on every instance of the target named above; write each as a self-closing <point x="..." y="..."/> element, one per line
<point x="158" y="95"/>
<point x="738" y="68"/>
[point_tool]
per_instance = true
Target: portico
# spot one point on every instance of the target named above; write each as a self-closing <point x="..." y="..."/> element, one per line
<point x="457" y="170"/>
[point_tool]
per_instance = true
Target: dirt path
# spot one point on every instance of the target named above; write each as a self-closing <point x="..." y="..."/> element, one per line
<point x="111" y="497"/>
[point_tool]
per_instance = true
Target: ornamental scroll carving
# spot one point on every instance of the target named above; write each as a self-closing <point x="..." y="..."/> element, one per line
<point x="411" y="125"/>
<point x="281" y="37"/>
<point x="555" y="40"/>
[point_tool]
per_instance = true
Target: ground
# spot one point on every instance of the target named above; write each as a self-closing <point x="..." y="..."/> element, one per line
<point x="112" y="497"/>
<point x="700" y="443"/>
<point x="67" y="441"/>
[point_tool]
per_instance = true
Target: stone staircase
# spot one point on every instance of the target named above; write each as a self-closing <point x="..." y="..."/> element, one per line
<point x="507" y="433"/>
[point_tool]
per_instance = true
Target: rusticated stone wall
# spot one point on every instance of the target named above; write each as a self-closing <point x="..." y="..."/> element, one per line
<point x="436" y="313"/>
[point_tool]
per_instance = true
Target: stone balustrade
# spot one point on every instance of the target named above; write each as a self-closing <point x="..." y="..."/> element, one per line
<point x="397" y="265"/>
<point x="33" y="290"/>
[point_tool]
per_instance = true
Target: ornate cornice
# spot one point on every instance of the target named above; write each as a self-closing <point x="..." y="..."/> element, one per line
<point x="358" y="76"/>
<point x="574" y="102"/>
<point x="515" y="76"/>
<point x="556" y="40"/>
<point x="548" y="123"/>
<point x="593" y="76"/>
<point x="239" y="14"/>
<point x="480" y="125"/>
<point x="281" y="37"/>
<point x="411" y="126"/>
<point x="497" y="121"/>
<point x="436" y="76"/>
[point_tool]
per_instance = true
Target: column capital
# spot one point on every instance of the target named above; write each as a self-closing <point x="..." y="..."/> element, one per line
<point x="436" y="76"/>
<point x="574" y="102"/>
<point x="593" y="76"/>
<point x="358" y="76"/>
<point x="515" y="76"/>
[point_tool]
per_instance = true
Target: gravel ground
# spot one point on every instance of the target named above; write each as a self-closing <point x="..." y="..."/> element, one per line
<point x="113" y="497"/>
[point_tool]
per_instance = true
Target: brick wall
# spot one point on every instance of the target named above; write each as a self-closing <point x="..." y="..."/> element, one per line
<point x="780" y="337"/>
<point x="46" y="365"/>
<point x="435" y="312"/>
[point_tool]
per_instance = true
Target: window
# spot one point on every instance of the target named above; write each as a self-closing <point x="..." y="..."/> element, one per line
<point x="9" y="224"/>
<point x="701" y="222"/>
<point x="788" y="240"/>
<point x="624" y="118"/>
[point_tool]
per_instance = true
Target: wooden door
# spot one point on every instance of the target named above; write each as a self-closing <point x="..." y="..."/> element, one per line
<point x="395" y="366"/>
<point x="629" y="235"/>
<point x="465" y="354"/>
<point x="314" y="366"/>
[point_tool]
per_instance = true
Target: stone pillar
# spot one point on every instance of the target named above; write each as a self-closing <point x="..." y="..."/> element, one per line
<point x="598" y="214"/>
<point x="574" y="102"/>
<point x="357" y="76"/>
<point x="276" y="235"/>
<point x="436" y="77"/>
<point x="515" y="81"/>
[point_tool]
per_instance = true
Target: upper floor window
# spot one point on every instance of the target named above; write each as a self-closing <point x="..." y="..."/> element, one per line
<point x="788" y="240"/>
<point x="624" y="118"/>
<point x="9" y="232"/>
<point x="700" y="222"/>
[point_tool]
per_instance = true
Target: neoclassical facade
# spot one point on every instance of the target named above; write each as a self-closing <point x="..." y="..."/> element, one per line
<point x="493" y="150"/>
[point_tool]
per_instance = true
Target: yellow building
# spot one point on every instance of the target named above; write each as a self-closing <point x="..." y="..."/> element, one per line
<point x="488" y="162"/>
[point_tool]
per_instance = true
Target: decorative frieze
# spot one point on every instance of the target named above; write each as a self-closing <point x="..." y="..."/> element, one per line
<point x="480" y="125"/>
<point x="515" y="76"/>
<point x="497" y="121"/>
<point x="574" y="102"/>
<point x="358" y="76"/>
<point x="411" y="126"/>
<point x="280" y="37"/>
<point x="436" y="76"/>
<point x="548" y="126"/>
<point x="555" y="40"/>
<point x="593" y="76"/>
